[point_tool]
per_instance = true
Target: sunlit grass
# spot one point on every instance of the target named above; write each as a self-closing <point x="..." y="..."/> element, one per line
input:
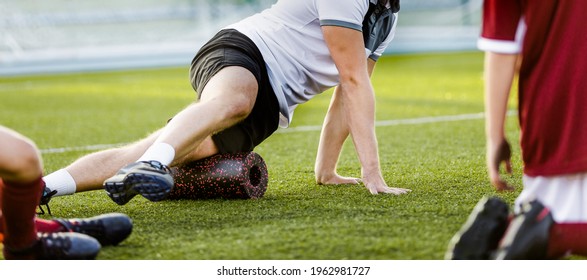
<point x="442" y="163"/>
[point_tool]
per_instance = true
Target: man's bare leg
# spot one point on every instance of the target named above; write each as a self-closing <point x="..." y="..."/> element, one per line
<point x="227" y="99"/>
<point x="89" y="172"/>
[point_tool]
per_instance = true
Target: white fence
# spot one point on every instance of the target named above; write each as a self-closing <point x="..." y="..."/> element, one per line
<point x="65" y="35"/>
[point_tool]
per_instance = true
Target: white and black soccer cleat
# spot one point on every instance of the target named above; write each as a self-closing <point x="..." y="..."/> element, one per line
<point x="151" y="179"/>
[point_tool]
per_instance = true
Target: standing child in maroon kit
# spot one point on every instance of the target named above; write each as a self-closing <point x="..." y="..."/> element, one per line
<point x="551" y="211"/>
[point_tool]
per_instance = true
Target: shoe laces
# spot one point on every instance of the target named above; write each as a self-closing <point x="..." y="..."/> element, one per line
<point x="159" y="166"/>
<point x="45" y="198"/>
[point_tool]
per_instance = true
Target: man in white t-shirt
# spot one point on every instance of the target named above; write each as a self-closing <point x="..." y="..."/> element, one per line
<point x="249" y="79"/>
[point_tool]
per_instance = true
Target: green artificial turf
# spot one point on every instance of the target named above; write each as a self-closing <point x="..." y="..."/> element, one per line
<point x="442" y="163"/>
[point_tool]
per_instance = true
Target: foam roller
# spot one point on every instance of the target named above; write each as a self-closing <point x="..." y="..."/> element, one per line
<point x="229" y="176"/>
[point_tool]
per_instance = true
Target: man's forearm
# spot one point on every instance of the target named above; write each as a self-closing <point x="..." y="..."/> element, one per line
<point x="334" y="133"/>
<point x="359" y="106"/>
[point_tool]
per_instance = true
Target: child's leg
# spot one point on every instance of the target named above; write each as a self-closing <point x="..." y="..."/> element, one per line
<point x="567" y="238"/>
<point x="19" y="202"/>
<point x="566" y="197"/>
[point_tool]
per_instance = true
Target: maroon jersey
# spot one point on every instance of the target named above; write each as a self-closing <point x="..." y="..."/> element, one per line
<point x="551" y="36"/>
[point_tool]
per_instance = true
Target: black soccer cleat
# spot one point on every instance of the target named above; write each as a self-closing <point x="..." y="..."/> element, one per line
<point x="68" y="246"/>
<point x="45" y="198"/>
<point x="58" y="246"/>
<point x="528" y="234"/>
<point x="151" y="179"/>
<point x="480" y="235"/>
<point x="108" y="229"/>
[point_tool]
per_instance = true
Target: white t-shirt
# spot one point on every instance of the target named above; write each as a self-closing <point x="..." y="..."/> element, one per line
<point x="289" y="36"/>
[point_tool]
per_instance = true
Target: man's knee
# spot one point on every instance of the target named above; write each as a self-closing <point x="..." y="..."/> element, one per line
<point x="24" y="163"/>
<point x="234" y="91"/>
<point x="239" y="107"/>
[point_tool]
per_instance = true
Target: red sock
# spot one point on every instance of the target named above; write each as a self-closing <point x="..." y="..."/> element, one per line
<point x="42" y="225"/>
<point x="19" y="206"/>
<point x="567" y="238"/>
<point x="48" y="225"/>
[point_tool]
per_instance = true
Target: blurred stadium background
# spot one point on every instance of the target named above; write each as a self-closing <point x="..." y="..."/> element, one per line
<point x="64" y="35"/>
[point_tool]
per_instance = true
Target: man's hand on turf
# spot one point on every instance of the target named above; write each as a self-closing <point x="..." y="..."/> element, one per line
<point x="498" y="153"/>
<point x="374" y="186"/>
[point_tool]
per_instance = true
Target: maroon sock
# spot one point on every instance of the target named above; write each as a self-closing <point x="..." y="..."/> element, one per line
<point x="567" y="238"/>
<point x="19" y="204"/>
<point x="48" y="225"/>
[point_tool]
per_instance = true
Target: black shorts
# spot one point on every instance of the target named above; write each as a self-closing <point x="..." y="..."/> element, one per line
<point x="232" y="48"/>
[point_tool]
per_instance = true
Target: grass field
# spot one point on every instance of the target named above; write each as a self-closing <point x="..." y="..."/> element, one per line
<point x="442" y="162"/>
